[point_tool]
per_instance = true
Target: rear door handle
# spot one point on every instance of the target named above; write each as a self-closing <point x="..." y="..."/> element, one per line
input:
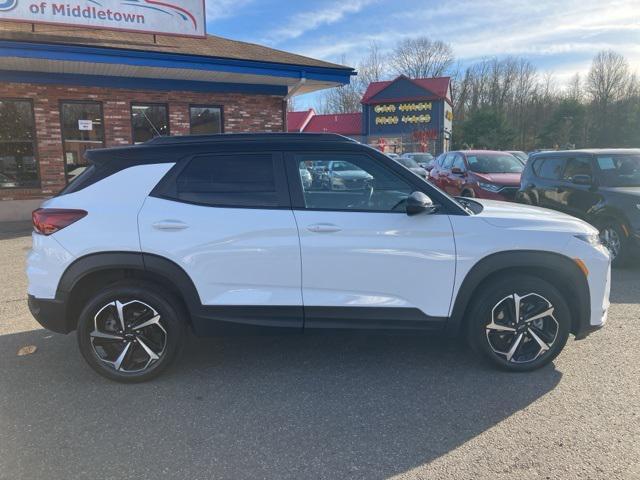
<point x="170" y="225"/>
<point x="323" y="228"/>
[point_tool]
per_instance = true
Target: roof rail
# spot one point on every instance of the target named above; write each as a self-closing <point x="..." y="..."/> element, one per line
<point x="224" y="137"/>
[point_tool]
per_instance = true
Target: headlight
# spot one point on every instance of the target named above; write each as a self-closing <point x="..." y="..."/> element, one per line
<point x="490" y="187"/>
<point x="592" y="239"/>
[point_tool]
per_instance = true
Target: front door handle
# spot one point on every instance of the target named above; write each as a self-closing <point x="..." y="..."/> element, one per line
<point x="170" y="225"/>
<point x="323" y="228"/>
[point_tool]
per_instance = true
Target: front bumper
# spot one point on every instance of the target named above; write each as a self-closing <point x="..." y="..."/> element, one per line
<point x="51" y="314"/>
<point x="598" y="264"/>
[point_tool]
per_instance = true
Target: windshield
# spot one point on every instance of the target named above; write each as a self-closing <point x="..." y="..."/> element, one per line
<point x="409" y="163"/>
<point x="343" y="167"/>
<point x="520" y="156"/>
<point x="619" y="170"/>
<point x="494" y="163"/>
<point x="422" y="157"/>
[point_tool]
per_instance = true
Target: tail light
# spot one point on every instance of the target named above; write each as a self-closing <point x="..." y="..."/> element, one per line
<point x="50" y="220"/>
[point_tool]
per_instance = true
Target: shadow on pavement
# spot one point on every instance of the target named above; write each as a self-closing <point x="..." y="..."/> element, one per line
<point x="626" y="285"/>
<point x="10" y="230"/>
<point x="253" y="407"/>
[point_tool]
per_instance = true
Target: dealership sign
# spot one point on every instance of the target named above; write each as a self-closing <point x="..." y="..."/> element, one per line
<point x="171" y="17"/>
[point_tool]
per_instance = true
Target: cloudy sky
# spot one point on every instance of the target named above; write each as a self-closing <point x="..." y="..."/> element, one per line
<point x="559" y="36"/>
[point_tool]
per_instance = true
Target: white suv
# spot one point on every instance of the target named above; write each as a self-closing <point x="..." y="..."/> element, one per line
<point x="220" y="234"/>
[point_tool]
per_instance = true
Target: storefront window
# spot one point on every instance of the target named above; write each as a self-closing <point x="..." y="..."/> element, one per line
<point x="82" y="130"/>
<point x="18" y="166"/>
<point x="149" y="121"/>
<point x="206" y="120"/>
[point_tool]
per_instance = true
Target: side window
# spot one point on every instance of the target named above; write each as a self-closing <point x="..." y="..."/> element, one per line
<point x="229" y="181"/>
<point x="458" y="162"/>
<point x="577" y="166"/>
<point x="350" y="182"/>
<point x="448" y="161"/>
<point x="551" y="168"/>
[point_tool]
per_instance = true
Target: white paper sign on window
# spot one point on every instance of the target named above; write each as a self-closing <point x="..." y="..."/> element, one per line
<point x="85" y="125"/>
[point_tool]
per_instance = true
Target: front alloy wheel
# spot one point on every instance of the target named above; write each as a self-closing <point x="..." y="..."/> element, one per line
<point x="522" y="329"/>
<point x="520" y="322"/>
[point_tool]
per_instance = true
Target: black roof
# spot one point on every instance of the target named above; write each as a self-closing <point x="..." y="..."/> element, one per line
<point x="254" y="137"/>
<point x="165" y="149"/>
<point x="590" y="151"/>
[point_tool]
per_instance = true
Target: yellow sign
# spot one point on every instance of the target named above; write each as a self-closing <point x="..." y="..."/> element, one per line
<point x="449" y="115"/>
<point x="416" y="107"/>
<point x="385" y="109"/>
<point x="426" y="118"/>
<point x="387" y="120"/>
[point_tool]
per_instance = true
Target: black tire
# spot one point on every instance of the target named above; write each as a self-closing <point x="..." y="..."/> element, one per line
<point x="468" y="194"/>
<point x="620" y="258"/>
<point x="553" y="329"/>
<point x="136" y="296"/>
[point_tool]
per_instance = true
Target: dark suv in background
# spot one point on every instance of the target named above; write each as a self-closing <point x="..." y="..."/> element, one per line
<point x="599" y="186"/>
<point x="485" y="174"/>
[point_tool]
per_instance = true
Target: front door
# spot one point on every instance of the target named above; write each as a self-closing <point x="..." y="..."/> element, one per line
<point x="365" y="262"/>
<point x="549" y="172"/>
<point x="577" y="200"/>
<point x="226" y="220"/>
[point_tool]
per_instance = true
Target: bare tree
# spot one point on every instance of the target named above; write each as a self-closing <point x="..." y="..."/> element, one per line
<point x="346" y="99"/>
<point x="608" y="77"/>
<point x="575" y="88"/>
<point x="373" y="67"/>
<point x="421" y="58"/>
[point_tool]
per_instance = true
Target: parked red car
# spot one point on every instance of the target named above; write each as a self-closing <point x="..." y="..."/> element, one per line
<point x="478" y="173"/>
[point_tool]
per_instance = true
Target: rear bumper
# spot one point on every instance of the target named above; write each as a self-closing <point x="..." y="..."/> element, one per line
<point x="51" y="314"/>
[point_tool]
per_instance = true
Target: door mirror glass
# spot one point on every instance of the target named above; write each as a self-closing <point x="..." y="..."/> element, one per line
<point x="582" y="179"/>
<point x="418" y="202"/>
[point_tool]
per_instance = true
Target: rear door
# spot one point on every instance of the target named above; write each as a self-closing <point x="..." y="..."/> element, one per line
<point x="225" y="218"/>
<point x="365" y="262"/>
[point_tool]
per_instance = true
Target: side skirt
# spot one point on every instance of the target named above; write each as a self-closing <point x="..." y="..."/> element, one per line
<point x="257" y="320"/>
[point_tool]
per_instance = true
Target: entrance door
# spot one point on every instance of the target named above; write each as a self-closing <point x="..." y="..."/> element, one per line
<point x="365" y="262"/>
<point x="82" y="130"/>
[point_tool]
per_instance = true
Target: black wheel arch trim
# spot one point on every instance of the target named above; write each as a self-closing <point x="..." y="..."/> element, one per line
<point x="169" y="271"/>
<point x="567" y="276"/>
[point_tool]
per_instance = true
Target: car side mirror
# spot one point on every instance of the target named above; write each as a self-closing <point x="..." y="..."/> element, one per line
<point x="428" y="168"/>
<point x="457" y="171"/>
<point x="418" y="203"/>
<point x="582" y="179"/>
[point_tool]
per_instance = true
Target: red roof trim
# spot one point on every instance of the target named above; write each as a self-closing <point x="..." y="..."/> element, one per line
<point x="438" y="86"/>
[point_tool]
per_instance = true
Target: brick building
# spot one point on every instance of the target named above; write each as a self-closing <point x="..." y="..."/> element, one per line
<point x="64" y="90"/>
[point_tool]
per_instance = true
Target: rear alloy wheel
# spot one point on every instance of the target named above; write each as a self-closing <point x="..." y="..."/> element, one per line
<point x="613" y="238"/>
<point x="130" y="333"/>
<point x="520" y="324"/>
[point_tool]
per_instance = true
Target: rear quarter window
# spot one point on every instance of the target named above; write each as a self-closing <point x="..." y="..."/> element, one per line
<point x="233" y="180"/>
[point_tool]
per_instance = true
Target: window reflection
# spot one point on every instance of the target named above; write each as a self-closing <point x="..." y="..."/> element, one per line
<point x="205" y="120"/>
<point x="82" y="130"/>
<point x="149" y="121"/>
<point x="18" y="166"/>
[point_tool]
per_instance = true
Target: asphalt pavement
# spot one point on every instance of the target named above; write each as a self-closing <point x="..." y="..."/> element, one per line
<point x="318" y="407"/>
